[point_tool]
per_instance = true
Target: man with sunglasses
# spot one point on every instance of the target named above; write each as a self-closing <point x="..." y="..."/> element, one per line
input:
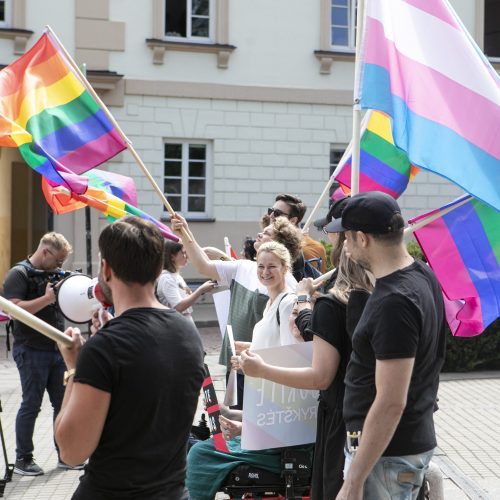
<point x="291" y="207"/>
<point x="40" y="365"/>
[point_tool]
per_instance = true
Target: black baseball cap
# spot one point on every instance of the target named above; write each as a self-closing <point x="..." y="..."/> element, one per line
<point x="372" y="212"/>
<point x="334" y="212"/>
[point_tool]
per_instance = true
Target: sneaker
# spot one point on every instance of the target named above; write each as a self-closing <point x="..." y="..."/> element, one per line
<point x="27" y="467"/>
<point x="62" y="465"/>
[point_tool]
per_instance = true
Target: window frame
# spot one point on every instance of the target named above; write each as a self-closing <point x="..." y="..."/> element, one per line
<point x="351" y="27"/>
<point x="7" y="23"/>
<point x="212" y="6"/>
<point x="340" y="150"/>
<point x="184" y="195"/>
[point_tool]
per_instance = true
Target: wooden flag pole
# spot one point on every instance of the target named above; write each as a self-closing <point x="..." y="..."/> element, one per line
<point x="421" y="223"/>
<point x="130" y="147"/>
<point x="356" y="110"/>
<point x="33" y="322"/>
<point x="317" y="281"/>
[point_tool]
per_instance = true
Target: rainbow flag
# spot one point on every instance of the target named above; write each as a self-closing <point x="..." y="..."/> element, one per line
<point x="46" y="112"/>
<point x="463" y="248"/>
<point x="421" y="67"/>
<point x="118" y="185"/>
<point x="382" y="166"/>
<point x="63" y="201"/>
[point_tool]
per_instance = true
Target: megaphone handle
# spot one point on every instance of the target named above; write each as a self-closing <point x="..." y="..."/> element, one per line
<point x="36" y="323"/>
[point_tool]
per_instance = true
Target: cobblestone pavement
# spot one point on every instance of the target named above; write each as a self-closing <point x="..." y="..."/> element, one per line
<point x="468" y="429"/>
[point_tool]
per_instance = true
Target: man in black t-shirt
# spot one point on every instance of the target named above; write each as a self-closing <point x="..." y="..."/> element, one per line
<point x="30" y="285"/>
<point x="133" y="388"/>
<point x="398" y="351"/>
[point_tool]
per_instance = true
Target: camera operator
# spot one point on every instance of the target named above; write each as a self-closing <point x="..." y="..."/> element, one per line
<point x="30" y="285"/>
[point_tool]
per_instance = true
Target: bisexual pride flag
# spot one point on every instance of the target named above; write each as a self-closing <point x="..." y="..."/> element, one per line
<point x="463" y="248"/>
<point x="382" y="166"/>
<point x="47" y="113"/>
<point x="421" y="67"/>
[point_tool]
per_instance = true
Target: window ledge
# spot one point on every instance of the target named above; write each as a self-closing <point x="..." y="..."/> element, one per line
<point x="103" y="80"/>
<point x="159" y="47"/>
<point x="18" y="36"/>
<point x="165" y="219"/>
<point x="326" y="58"/>
<point x="495" y="62"/>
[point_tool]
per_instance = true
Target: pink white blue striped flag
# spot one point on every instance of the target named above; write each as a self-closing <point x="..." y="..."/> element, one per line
<point x="421" y="67"/>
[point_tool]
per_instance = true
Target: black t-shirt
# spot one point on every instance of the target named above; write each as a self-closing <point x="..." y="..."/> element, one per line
<point x="151" y="361"/>
<point x="328" y="321"/>
<point x="403" y="318"/>
<point x="24" y="282"/>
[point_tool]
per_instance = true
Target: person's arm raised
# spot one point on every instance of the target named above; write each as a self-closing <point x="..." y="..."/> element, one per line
<point x="194" y="252"/>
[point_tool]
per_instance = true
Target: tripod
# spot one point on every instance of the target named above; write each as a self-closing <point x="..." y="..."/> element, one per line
<point x="9" y="468"/>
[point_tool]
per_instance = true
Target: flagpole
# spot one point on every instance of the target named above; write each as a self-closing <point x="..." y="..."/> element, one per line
<point x="130" y="147"/>
<point x="34" y="322"/>
<point x="421" y="223"/>
<point x="356" y="110"/>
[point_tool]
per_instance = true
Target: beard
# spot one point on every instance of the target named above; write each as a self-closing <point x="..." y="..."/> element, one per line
<point x="105" y="289"/>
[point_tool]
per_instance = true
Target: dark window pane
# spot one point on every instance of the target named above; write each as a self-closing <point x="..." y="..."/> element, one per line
<point x="335" y="156"/>
<point x="175" y="203"/>
<point x="340" y="2"/>
<point x="196" y="204"/>
<point x="2" y="11"/>
<point x="173" y="151"/>
<point x="173" y="168"/>
<point x="200" y="7"/>
<point x="196" y="186"/>
<point x="340" y="36"/>
<point x="172" y="186"/>
<point x="196" y="169"/>
<point x="197" y="151"/>
<point x="199" y="27"/>
<point x="339" y="16"/>
<point x="492" y="28"/>
<point x="175" y="18"/>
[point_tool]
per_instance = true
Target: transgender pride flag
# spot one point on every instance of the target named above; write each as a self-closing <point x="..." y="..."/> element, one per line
<point x="463" y="248"/>
<point x="421" y="67"/>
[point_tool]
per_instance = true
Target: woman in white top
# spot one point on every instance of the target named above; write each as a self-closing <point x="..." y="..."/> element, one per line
<point x="273" y="330"/>
<point x="171" y="288"/>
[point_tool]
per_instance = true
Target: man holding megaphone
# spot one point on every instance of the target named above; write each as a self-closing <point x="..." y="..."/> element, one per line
<point x="132" y="388"/>
<point x="30" y="285"/>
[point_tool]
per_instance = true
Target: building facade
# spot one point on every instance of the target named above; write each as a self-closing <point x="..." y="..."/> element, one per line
<point x="227" y="102"/>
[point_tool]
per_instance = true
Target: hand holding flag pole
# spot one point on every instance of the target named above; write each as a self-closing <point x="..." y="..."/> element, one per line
<point x="36" y="323"/>
<point x="130" y="147"/>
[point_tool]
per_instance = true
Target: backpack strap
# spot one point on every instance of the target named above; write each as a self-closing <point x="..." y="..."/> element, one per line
<point x="278" y="309"/>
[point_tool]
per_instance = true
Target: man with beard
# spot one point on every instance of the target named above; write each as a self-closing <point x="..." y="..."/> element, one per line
<point x="132" y="389"/>
<point x="398" y="350"/>
<point x="31" y="285"/>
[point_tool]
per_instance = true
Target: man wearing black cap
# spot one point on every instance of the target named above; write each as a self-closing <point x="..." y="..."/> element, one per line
<point x="398" y="351"/>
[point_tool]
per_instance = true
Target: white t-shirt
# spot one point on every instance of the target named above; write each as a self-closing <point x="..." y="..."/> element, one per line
<point x="171" y="289"/>
<point x="267" y="332"/>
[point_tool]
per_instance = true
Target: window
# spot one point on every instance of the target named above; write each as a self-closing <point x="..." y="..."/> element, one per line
<point x="343" y="24"/>
<point x="336" y="153"/>
<point x="189" y="19"/>
<point x="187" y="167"/>
<point x="492" y="28"/>
<point x="5" y="15"/>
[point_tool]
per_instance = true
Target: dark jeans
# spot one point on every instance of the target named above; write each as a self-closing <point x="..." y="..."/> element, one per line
<point x="39" y="371"/>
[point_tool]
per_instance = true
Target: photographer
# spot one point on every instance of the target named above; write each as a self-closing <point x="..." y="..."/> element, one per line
<point x="30" y="285"/>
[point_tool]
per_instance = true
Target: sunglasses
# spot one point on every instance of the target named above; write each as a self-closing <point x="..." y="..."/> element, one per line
<point x="277" y="212"/>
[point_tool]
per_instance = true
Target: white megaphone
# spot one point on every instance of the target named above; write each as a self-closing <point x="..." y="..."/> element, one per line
<point x="78" y="296"/>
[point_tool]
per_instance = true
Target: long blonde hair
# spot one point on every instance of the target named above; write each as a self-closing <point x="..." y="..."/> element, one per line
<point x="350" y="276"/>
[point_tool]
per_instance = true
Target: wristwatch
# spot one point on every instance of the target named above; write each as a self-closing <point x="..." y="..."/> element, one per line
<point x="303" y="298"/>
<point x="67" y="375"/>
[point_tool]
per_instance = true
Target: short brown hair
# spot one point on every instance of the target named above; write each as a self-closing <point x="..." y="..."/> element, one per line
<point x="297" y="207"/>
<point x="133" y="248"/>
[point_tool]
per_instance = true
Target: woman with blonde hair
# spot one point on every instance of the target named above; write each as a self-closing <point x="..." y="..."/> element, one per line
<point x="331" y="352"/>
